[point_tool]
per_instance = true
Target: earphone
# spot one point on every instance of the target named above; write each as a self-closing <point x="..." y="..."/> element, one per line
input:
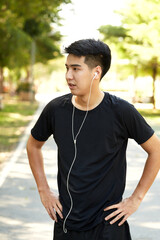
<point x="95" y="74"/>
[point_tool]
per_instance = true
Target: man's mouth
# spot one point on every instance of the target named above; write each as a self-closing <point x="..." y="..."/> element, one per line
<point x="71" y="85"/>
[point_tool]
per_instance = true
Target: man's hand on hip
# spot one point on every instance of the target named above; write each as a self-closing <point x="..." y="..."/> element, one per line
<point x="51" y="203"/>
<point x="122" y="210"/>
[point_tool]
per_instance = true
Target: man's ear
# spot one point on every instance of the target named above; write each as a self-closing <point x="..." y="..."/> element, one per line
<point x="98" y="72"/>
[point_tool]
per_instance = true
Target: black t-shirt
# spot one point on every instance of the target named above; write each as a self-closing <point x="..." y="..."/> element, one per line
<point x="98" y="175"/>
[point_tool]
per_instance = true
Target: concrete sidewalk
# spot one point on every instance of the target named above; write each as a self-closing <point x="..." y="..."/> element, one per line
<point x="23" y="217"/>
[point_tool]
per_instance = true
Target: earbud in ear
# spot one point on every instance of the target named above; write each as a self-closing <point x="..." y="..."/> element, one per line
<point x="95" y="74"/>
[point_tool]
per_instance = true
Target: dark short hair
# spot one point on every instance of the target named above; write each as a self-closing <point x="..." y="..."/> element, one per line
<point x="95" y="52"/>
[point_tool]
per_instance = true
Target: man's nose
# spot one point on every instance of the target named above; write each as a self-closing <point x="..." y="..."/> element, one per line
<point x="69" y="74"/>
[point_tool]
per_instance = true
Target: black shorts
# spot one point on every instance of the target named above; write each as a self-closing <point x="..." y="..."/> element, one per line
<point x="103" y="231"/>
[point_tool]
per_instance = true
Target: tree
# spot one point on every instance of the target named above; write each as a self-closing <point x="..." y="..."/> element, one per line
<point x="118" y="37"/>
<point x="142" y="40"/>
<point x="144" y="27"/>
<point x="22" y="23"/>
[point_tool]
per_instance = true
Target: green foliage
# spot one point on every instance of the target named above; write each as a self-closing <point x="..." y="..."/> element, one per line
<point x="25" y="21"/>
<point x="138" y="38"/>
<point x="110" y="31"/>
<point x="24" y="86"/>
<point x="139" y="35"/>
<point x="20" y="23"/>
<point x="144" y="27"/>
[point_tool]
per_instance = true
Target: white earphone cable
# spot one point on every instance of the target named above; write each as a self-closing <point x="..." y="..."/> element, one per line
<point x="75" y="152"/>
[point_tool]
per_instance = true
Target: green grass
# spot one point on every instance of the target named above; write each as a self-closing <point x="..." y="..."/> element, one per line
<point x="153" y="119"/>
<point x="151" y="115"/>
<point x="13" y="120"/>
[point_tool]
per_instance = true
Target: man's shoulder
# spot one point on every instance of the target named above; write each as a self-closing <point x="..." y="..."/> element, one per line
<point x="117" y="102"/>
<point x="60" y="100"/>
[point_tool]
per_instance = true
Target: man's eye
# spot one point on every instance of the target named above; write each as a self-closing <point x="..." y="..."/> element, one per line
<point x="75" y="68"/>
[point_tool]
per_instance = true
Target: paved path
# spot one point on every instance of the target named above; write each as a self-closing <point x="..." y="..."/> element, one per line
<point x="23" y="217"/>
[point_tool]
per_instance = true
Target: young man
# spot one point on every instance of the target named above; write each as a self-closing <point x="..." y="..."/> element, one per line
<point x="91" y="129"/>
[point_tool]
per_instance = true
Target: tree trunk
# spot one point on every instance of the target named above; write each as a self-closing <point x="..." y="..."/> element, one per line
<point x="1" y="80"/>
<point x="134" y="83"/>
<point x="33" y="54"/>
<point x="154" y="74"/>
<point x="27" y="78"/>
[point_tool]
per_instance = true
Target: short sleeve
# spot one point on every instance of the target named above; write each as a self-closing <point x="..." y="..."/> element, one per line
<point x="44" y="126"/>
<point x="136" y="126"/>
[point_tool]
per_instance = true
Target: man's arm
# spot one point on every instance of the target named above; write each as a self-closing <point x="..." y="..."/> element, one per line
<point x="128" y="206"/>
<point x="49" y="200"/>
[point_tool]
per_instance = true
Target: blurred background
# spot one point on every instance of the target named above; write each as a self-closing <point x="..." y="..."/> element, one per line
<point x="33" y="35"/>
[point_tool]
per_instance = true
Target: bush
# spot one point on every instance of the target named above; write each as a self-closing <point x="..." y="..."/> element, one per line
<point x="25" y="87"/>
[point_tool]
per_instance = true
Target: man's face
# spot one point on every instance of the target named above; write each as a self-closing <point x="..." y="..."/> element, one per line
<point x="78" y="75"/>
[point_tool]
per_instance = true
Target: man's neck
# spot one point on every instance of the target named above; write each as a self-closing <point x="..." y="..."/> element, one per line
<point x="81" y="102"/>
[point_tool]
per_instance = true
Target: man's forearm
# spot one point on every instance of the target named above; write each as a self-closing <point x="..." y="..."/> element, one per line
<point x="150" y="172"/>
<point x="35" y="158"/>
<point x="152" y="166"/>
<point x="48" y="198"/>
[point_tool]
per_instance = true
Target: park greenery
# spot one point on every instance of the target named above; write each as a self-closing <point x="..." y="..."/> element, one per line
<point x="13" y="120"/>
<point x="27" y="35"/>
<point x="137" y="39"/>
